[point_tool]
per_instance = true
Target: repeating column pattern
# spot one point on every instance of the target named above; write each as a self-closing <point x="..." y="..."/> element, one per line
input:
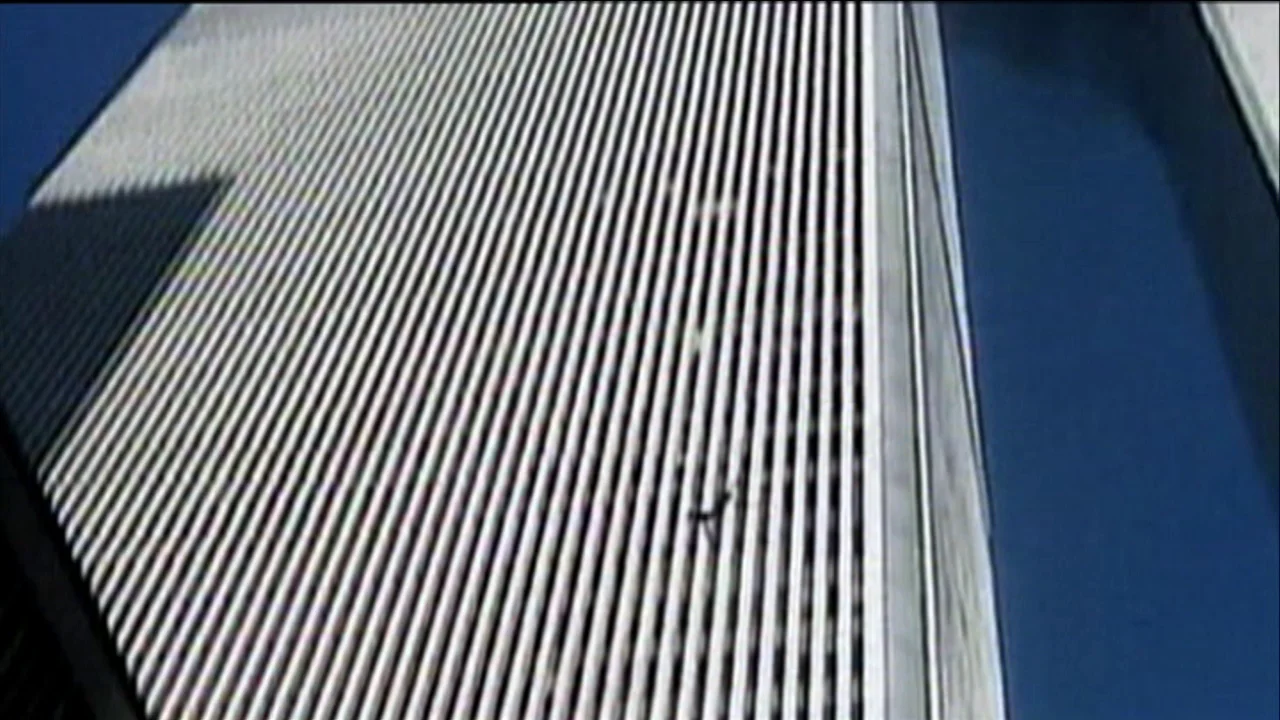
<point x="512" y="375"/>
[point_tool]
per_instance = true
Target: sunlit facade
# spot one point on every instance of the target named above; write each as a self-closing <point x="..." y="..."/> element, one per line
<point x="547" y="360"/>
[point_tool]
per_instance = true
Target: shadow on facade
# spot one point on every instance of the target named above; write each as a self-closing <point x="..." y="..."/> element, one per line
<point x="1155" y="61"/>
<point x="75" y="277"/>
<point x="35" y="681"/>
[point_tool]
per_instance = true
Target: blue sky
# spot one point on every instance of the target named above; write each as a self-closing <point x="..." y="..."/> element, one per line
<point x="1136" y="549"/>
<point x="1137" y="556"/>
<point x="57" y="62"/>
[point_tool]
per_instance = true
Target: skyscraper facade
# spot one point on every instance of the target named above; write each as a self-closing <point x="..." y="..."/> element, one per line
<point x="547" y="360"/>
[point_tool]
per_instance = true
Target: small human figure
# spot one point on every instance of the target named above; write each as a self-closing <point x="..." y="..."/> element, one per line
<point x="709" y="515"/>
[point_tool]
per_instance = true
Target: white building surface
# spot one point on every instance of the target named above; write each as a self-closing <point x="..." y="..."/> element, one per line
<point x="539" y="360"/>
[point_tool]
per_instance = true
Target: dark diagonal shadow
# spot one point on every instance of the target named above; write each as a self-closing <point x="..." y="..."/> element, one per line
<point x="34" y="678"/>
<point x="75" y="278"/>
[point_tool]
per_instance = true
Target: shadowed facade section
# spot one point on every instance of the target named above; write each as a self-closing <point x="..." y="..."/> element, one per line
<point x="34" y="678"/>
<point x="75" y="277"/>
